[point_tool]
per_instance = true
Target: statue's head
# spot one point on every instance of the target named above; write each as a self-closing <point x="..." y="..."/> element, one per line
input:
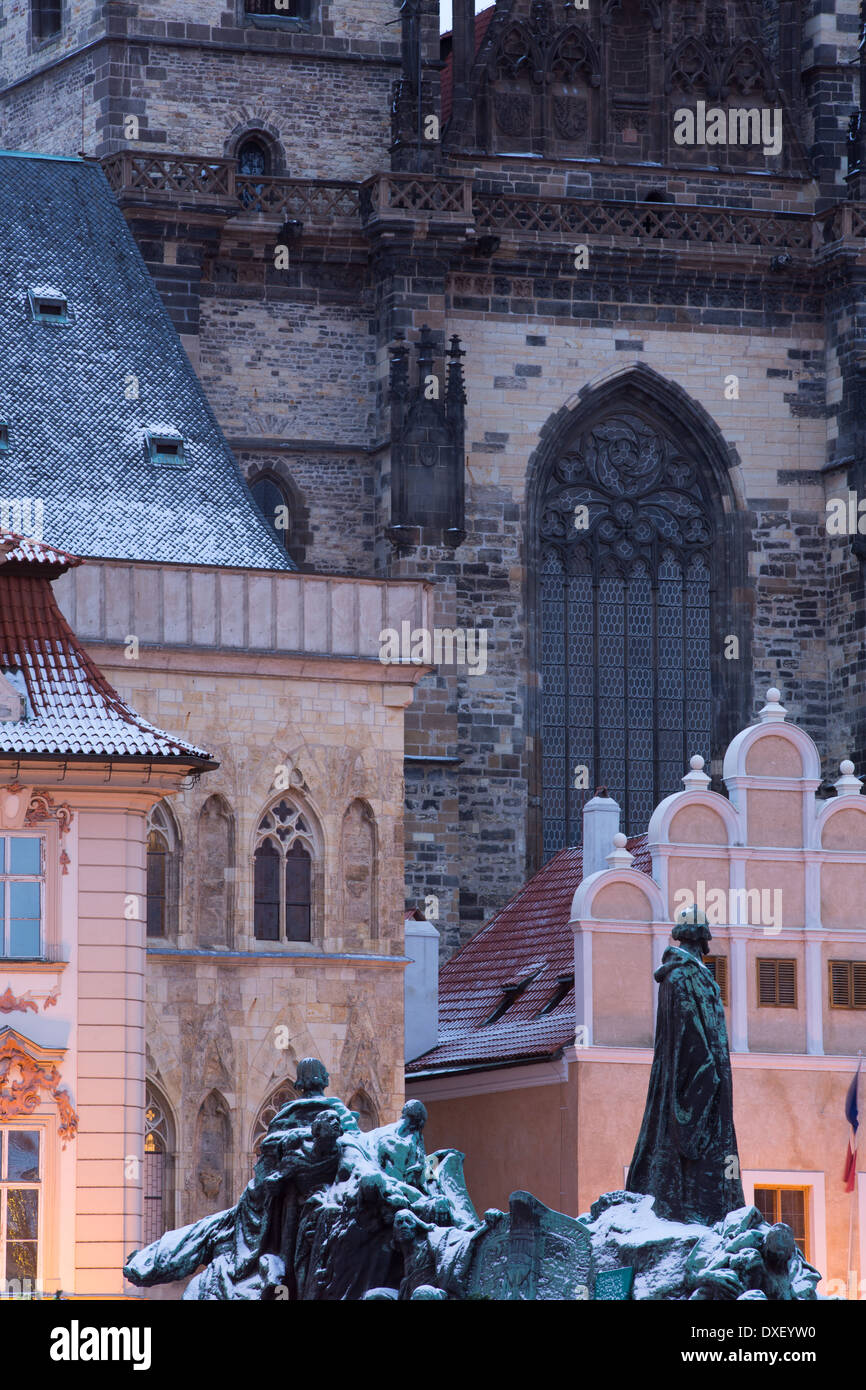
<point x="406" y="1226"/>
<point x="371" y="1189"/>
<point x="312" y="1076"/>
<point x="415" y="1115"/>
<point x="691" y="926"/>
<point x="779" y="1244"/>
<point x="326" y="1130"/>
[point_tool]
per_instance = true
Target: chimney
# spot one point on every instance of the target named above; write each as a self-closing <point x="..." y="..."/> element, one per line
<point x="421" y="986"/>
<point x="600" y="824"/>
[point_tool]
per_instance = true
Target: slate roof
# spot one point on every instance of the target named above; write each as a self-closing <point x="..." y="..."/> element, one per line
<point x="72" y="711"/>
<point x="482" y="21"/>
<point x="75" y="441"/>
<point x="530" y="934"/>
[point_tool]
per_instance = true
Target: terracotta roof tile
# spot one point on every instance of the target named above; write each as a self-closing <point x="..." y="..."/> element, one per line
<point x="528" y="942"/>
<point x="71" y="710"/>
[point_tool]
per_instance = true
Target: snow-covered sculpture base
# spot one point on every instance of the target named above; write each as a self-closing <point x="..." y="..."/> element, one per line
<point x="332" y="1214"/>
<point x="741" y="1257"/>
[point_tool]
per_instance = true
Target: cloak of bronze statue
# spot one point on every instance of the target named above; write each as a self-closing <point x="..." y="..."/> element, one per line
<point x="686" y="1153"/>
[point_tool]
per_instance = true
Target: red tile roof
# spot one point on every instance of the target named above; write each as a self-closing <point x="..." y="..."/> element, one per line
<point x="531" y="931"/>
<point x="72" y="711"/>
<point x="482" y="21"/>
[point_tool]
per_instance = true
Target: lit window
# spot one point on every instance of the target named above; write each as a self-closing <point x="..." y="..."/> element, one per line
<point x="777" y="983"/>
<point x="787" y="1204"/>
<point x="48" y="306"/>
<point x="283" y="876"/>
<point x="21" y="889"/>
<point x="20" y="1174"/>
<point x="158" y="1167"/>
<point x="166" y="449"/>
<point x="47" y="18"/>
<point x="847" y="984"/>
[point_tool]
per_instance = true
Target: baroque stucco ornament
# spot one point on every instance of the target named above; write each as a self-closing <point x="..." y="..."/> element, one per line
<point x="28" y="1072"/>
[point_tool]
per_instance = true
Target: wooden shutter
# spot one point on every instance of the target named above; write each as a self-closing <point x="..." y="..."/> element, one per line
<point x="847" y="984"/>
<point x="718" y="966"/>
<point x="787" y="987"/>
<point x="777" y="983"/>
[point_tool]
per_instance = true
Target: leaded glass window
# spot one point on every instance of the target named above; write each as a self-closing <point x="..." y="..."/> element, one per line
<point x="625" y="598"/>
<point x="282" y="876"/>
<point x="158" y="1214"/>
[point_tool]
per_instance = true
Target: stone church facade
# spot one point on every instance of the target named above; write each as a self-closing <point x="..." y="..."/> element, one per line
<point x="480" y="314"/>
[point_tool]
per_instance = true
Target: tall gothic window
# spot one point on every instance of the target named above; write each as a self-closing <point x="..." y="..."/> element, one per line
<point x="158" y="1166"/>
<point x="283" y="875"/>
<point x="624" y="587"/>
<point x="163" y="872"/>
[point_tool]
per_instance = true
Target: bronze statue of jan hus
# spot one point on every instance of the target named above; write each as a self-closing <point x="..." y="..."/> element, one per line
<point x="686" y="1152"/>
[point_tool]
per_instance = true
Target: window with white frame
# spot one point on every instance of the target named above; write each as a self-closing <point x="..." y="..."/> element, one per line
<point x="20" y="1184"/>
<point x="22" y="893"/>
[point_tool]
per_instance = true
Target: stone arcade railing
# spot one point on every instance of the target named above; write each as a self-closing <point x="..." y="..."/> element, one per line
<point x="616" y="221"/>
<point x="151" y="177"/>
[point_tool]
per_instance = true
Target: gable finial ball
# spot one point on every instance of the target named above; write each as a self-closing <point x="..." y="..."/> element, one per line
<point x="773" y="695"/>
<point x="846" y="767"/>
<point x="696" y="762"/>
<point x="619" y="840"/>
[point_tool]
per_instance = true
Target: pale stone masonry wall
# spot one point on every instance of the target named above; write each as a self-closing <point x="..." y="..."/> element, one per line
<point x="266" y="671"/>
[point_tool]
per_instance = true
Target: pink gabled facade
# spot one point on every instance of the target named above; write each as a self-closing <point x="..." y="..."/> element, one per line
<point x="79" y="771"/>
<point x="552" y="1099"/>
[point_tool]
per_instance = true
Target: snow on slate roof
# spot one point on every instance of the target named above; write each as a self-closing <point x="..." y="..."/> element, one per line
<point x="482" y="21"/>
<point x="531" y="931"/>
<point x="71" y="710"/>
<point x="75" y="440"/>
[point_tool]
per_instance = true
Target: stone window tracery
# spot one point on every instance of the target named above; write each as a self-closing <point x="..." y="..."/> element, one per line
<point x="274" y="1103"/>
<point x="283" y="874"/>
<point x="625" y="601"/>
<point x="158" y="1173"/>
<point x="163" y="872"/>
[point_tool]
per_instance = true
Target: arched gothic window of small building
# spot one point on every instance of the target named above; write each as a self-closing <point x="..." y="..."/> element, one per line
<point x="636" y="544"/>
<point x="213" y="1154"/>
<point x="283" y="874"/>
<point x="215" y="873"/>
<point x="368" y="1115"/>
<point x="273" y="502"/>
<point x="163" y="872"/>
<point x="274" y="1103"/>
<point x="158" y="1176"/>
<point x="253" y="157"/>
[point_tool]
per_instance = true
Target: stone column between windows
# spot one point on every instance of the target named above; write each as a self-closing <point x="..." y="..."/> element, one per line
<point x="814" y="995"/>
<point x="738" y="936"/>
